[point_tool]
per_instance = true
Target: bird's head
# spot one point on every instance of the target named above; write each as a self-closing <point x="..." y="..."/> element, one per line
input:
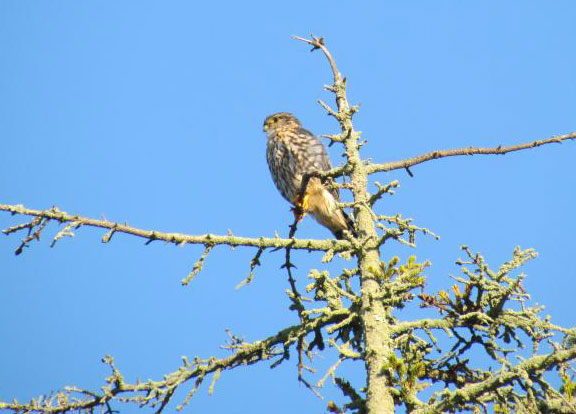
<point x="279" y="121"/>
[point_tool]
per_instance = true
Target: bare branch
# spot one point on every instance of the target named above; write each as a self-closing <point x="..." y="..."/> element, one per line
<point x="318" y="43"/>
<point x="253" y="263"/>
<point x="500" y="150"/>
<point x="176" y="238"/>
<point x="197" y="266"/>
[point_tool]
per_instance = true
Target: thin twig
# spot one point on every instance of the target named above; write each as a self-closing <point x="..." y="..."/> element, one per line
<point x="318" y="43"/>
<point x="197" y="266"/>
<point x="382" y="189"/>
<point x="253" y="263"/>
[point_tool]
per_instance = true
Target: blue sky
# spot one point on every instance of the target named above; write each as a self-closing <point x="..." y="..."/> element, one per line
<point x="150" y="113"/>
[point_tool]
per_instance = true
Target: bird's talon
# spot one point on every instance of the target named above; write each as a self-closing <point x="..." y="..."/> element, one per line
<point x="298" y="213"/>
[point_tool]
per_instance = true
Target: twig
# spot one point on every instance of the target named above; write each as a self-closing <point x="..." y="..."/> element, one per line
<point x="40" y="224"/>
<point x="197" y="266"/>
<point x="382" y="189"/>
<point x="253" y="263"/>
<point x="296" y="297"/>
<point x="66" y="231"/>
<point x="318" y="43"/>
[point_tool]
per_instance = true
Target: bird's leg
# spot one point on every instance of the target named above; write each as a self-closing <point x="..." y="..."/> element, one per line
<point x="301" y="200"/>
<point x="300" y="207"/>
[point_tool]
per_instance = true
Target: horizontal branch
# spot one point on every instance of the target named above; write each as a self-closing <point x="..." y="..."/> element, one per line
<point x="178" y="238"/>
<point x="472" y="392"/>
<point x="507" y="319"/>
<point x="433" y="155"/>
<point x="500" y="150"/>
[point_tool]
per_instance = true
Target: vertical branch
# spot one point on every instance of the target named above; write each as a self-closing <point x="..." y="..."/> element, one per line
<point x="294" y="294"/>
<point x="377" y="334"/>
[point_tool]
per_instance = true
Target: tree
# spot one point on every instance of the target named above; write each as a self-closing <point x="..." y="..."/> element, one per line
<point x="424" y="365"/>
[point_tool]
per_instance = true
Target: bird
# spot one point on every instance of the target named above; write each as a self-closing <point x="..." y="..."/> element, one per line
<point x="292" y="152"/>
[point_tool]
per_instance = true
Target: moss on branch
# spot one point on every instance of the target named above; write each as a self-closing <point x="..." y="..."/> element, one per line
<point x="176" y="238"/>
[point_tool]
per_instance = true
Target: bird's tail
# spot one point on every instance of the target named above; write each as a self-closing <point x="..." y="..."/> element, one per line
<point x="339" y="234"/>
<point x="322" y="205"/>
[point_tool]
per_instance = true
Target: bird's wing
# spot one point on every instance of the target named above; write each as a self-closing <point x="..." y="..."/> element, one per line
<point x="316" y="157"/>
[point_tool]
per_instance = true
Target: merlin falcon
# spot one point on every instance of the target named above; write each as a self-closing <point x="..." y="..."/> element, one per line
<point x="292" y="152"/>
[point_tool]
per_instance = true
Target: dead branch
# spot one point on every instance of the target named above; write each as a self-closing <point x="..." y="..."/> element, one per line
<point x="175" y="238"/>
<point x="500" y="150"/>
